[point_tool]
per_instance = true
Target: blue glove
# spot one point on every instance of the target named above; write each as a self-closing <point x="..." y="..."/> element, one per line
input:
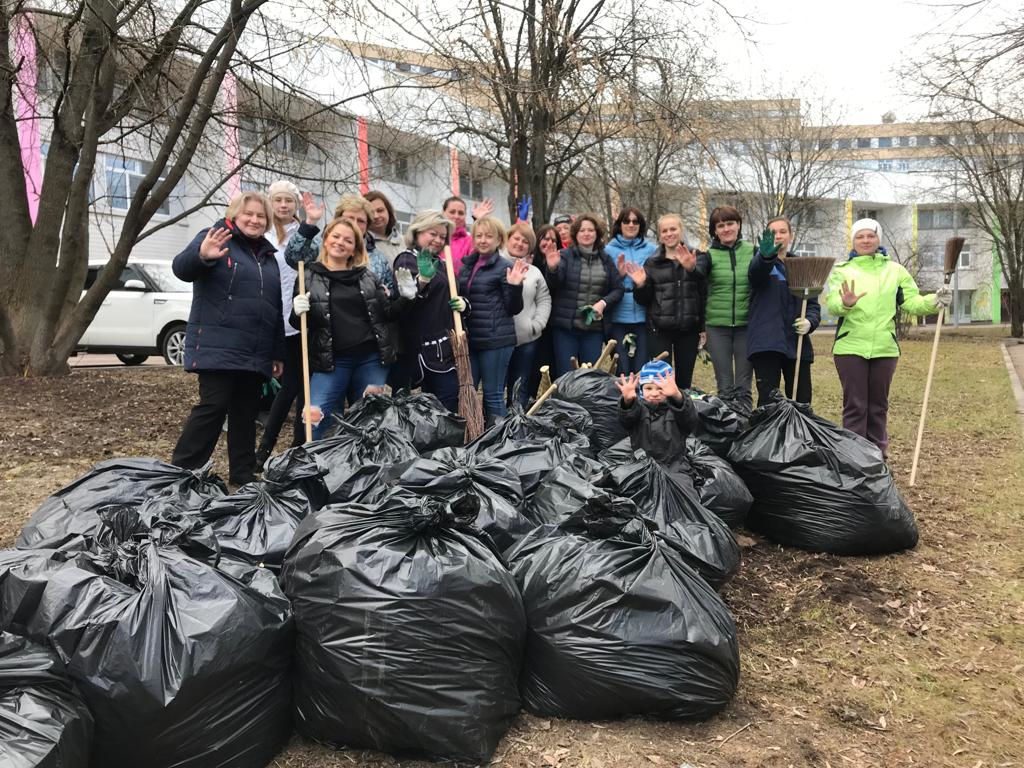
<point x="523" y="208"/>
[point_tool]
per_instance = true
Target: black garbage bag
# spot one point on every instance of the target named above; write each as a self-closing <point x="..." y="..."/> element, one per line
<point x="157" y="519"/>
<point x="298" y="468"/>
<point x="819" y="487"/>
<point x="256" y="523"/>
<point x="619" y="625"/>
<point x="410" y="629"/>
<point x="43" y="721"/>
<point x="721" y="418"/>
<point x="596" y="392"/>
<point x="721" y="489"/>
<point x="180" y="663"/>
<point x="70" y="514"/>
<point x="421" y="418"/>
<point x="451" y="473"/>
<point x="665" y="498"/>
<point x="531" y="460"/>
<point x="558" y="420"/>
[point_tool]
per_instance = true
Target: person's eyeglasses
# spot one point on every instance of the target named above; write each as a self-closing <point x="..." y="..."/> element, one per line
<point x="631" y="221"/>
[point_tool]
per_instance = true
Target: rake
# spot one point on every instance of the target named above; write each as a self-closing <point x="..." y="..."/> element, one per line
<point x="806" y="276"/>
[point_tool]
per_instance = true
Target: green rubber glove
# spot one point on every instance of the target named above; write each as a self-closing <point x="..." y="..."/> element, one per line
<point x="427" y="264"/>
<point x="458" y="304"/>
<point x="589" y="315"/>
<point x="766" y="245"/>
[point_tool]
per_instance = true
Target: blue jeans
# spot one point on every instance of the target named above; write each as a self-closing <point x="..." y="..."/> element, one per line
<point x="629" y="364"/>
<point x="491" y="365"/>
<point x="585" y="346"/>
<point x="520" y="368"/>
<point x="351" y="376"/>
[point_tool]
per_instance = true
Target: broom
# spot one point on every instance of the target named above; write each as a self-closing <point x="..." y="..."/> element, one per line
<point x="806" y="276"/>
<point x="469" y="404"/>
<point x="953" y="247"/>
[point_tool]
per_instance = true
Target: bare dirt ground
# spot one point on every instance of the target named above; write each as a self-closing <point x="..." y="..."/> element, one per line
<point x="914" y="659"/>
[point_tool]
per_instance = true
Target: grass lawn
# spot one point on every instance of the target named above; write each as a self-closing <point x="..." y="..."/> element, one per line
<point x="910" y="659"/>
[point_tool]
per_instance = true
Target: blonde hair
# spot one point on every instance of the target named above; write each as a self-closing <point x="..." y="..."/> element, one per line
<point x="354" y="203"/>
<point x="489" y="222"/>
<point x="665" y="217"/>
<point x="359" y="258"/>
<point x="238" y="202"/>
<point x="524" y="229"/>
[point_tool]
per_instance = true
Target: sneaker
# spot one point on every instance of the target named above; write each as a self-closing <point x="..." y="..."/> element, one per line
<point x="262" y="454"/>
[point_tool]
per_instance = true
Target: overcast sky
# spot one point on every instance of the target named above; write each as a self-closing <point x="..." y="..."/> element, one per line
<point x="853" y="51"/>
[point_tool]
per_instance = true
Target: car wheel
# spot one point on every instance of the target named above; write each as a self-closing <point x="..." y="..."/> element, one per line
<point x="133" y="359"/>
<point x="173" y="346"/>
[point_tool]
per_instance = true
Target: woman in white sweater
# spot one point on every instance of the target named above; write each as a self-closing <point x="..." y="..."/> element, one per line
<point x="530" y="323"/>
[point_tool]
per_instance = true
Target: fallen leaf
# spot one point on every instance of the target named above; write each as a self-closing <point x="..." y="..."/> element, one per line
<point x="656" y="759"/>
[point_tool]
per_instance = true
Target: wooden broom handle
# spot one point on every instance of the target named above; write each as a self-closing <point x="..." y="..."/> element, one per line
<point x="927" y="392"/>
<point x="304" y="334"/>
<point x="453" y="287"/>
<point x="540" y="400"/>
<point x="799" y="351"/>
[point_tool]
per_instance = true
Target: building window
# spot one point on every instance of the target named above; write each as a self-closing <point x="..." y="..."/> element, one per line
<point x="940" y="218"/>
<point x="471" y="187"/>
<point x="965" y="258"/>
<point x="885" y="165"/>
<point x="802" y="249"/>
<point x="885" y="142"/>
<point x="123" y="176"/>
<point x="867" y="213"/>
<point x="824" y="144"/>
<point x="843" y="144"/>
<point x="393" y="166"/>
<point x="924" y="141"/>
<point x="863" y="143"/>
<point x="902" y="165"/>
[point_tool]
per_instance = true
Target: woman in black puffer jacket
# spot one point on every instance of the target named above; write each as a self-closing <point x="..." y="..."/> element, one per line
<point x="351" y="344"/>
<point x="671" y="289"/>
<point x="584" y="284"/>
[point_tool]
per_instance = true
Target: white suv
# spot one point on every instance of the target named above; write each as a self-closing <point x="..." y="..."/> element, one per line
<point x="145" y="314"/>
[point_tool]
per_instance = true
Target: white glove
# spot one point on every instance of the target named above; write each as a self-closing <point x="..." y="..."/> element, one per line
<point x="300" y="304"/>
<point x="802" y="326"/>
<point x="405" y="283"/>
<point x="943" y="297"/>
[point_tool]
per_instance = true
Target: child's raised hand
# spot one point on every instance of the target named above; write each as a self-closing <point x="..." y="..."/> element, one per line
<point x="668" y="386"/>
<point x="627" y="386"/>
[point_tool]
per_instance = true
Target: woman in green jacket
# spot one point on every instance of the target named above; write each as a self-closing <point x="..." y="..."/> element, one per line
<point x="865" y="293"/>
<point x="725" y="267"/>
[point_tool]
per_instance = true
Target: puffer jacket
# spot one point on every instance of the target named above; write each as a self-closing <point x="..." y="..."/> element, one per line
<point x="773" y="309"/>
<point x="868" y="328"/>
<point x="636" y="251"/>
<point x="726" y="267"/>
<point x="531" y="322"/>
<point x="381" y="310"/>
<point x="564" y="284"/>
<point x="674" y="297"/>
<point x="660" y="429"/>
<point x="236" y="321"/>
<point x="493" y="302"/>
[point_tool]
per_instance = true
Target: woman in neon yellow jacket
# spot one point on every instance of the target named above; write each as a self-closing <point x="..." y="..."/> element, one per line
<point x="865" y="293"/>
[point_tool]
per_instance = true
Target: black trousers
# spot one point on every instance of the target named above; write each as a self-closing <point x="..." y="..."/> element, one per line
<point x="234" y="394"/>
<point x="770" y="367"/>
<point x="290" y="392"/>
<point x="682" y="349"/>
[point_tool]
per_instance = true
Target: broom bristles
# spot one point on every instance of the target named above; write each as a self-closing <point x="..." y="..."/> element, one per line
<point x="469" y="404"/>
<point x="808" y="274"/>
<point x="953" y="247"/>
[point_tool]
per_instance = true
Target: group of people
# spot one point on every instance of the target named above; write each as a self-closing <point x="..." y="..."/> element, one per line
<point x="379" y="308"/>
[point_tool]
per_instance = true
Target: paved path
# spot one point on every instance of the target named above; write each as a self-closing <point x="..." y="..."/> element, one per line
<point x="1015" y="366"/>
<point x="85" y="360"/>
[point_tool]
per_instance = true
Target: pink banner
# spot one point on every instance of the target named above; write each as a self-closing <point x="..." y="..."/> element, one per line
<point x="232" y="154"/>
<point x="454" y="162"/>
<point x="27" y="114"/>
<point x="363" y="148"/>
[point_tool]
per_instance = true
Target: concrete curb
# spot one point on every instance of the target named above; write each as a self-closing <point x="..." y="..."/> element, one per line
<point x="1015" y="384"/>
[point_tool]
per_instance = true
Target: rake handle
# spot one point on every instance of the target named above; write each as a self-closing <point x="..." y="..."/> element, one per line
<point x="927" y="393"/>
<point x="799" y="351"/>
<point x="304" y="335"/>
<point x="540" y="400"/>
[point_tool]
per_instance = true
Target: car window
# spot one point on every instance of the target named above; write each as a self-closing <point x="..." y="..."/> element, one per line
<point x="164" y="279"/>
<point x="90" y="277"/>
<point x="128" y="273"/>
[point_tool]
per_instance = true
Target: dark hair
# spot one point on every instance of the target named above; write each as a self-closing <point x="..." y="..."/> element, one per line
<point x="392" y="221"/>
<point x="598" y="225"/>
<point x="542" y="230"/>
<point x="724" y="213"/>
<point x="623" y="215"/>
<point x="452" y="199"/>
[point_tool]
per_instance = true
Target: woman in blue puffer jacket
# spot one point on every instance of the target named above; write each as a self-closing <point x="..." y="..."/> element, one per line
<point x="627" y="319"/>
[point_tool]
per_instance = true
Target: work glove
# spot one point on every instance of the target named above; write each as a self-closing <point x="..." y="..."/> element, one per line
<point x="588" y="313"/>
<point x="523" y="207"/>
<point x="629" y="342"/>
<point x="766" y="245"/>
<point x="427" y="264"/>
<point x="802" y="326"/>
<point x="405" y="283"/>
<point x="943" y="297"/>
<point x="458" y="304"/>
<point x="300" y="304"/>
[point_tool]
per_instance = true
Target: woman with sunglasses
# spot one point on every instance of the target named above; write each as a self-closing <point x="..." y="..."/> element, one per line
<point x="628" y="246"/>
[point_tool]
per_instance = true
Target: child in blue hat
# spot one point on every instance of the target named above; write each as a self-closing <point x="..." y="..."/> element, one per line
<point x="657" y="416"/>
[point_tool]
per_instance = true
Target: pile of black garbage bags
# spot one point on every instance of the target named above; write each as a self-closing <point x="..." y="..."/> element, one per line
<point x="389" y="588"/>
